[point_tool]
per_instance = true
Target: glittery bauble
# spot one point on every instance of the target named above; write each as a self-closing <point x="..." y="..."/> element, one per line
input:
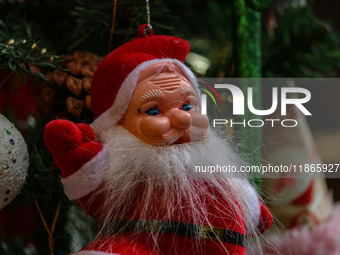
<point x="13" y="161"/>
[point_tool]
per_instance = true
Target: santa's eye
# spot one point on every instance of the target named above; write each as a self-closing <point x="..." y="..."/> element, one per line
<point x="152" y="111"/>
<point x="187" y="107"/>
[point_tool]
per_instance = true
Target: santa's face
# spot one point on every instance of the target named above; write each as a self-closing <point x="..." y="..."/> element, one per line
<point x="164" y="108"/>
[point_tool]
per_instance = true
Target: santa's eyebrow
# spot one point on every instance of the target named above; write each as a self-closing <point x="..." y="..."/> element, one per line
<point x="187" y="90"/>
<point x="152" y="94"/>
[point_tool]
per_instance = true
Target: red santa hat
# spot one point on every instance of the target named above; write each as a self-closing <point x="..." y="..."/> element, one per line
<point x="116" y="77"/>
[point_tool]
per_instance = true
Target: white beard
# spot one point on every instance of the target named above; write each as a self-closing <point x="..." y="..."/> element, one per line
<point x="168" y="177"/>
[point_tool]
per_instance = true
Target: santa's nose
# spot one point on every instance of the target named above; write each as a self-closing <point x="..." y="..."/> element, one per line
<point x="179" y="119"/>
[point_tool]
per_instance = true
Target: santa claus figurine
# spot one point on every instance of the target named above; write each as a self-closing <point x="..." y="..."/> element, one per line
<point x="134" y="168"/>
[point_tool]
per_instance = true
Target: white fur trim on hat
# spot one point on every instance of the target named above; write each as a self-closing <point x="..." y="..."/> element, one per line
<point x="93" y="253"/>
<point x="87" y="178"/>
<point x="117" y="111"/>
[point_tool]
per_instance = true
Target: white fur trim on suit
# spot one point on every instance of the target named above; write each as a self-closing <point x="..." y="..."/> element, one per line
<point x="117" y="111"/>
<point x="87" y="178"/>
<point x="93" y="253"/>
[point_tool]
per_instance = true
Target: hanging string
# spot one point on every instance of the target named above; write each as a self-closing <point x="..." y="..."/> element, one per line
<point x="149" y="27"/>
<point x="49" y="231"/>
<point x="113" y="25"/>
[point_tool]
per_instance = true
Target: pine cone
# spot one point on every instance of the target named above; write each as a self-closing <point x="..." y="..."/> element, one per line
<point x="67" y="93"/>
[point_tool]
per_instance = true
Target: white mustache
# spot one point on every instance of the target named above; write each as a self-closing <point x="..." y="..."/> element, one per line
<point x="198" y="133"/>
<point x="195" y="134"/>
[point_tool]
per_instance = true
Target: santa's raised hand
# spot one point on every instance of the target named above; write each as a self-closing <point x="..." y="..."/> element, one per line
<point x="72" y="145"/>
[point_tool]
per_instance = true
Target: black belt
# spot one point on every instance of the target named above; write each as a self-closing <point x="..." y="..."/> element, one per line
<point x="198" y="231"/>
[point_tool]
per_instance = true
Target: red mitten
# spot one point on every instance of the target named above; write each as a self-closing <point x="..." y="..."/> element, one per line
<point x="72" y="145"/>
<point x="265" y="220"/>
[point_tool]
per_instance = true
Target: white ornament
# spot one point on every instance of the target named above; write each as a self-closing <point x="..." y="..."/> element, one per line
<point x="14" y="161"/>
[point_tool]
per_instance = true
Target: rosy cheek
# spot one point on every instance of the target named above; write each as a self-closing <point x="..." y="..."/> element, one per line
<point x="198" y="120"/>
<point x="155" y="127"/>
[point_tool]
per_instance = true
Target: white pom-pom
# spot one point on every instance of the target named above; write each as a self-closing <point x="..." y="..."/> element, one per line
<point x="14" y="161"/>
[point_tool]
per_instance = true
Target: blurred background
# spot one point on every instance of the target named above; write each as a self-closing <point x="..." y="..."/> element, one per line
<point x="50" y="49"/>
